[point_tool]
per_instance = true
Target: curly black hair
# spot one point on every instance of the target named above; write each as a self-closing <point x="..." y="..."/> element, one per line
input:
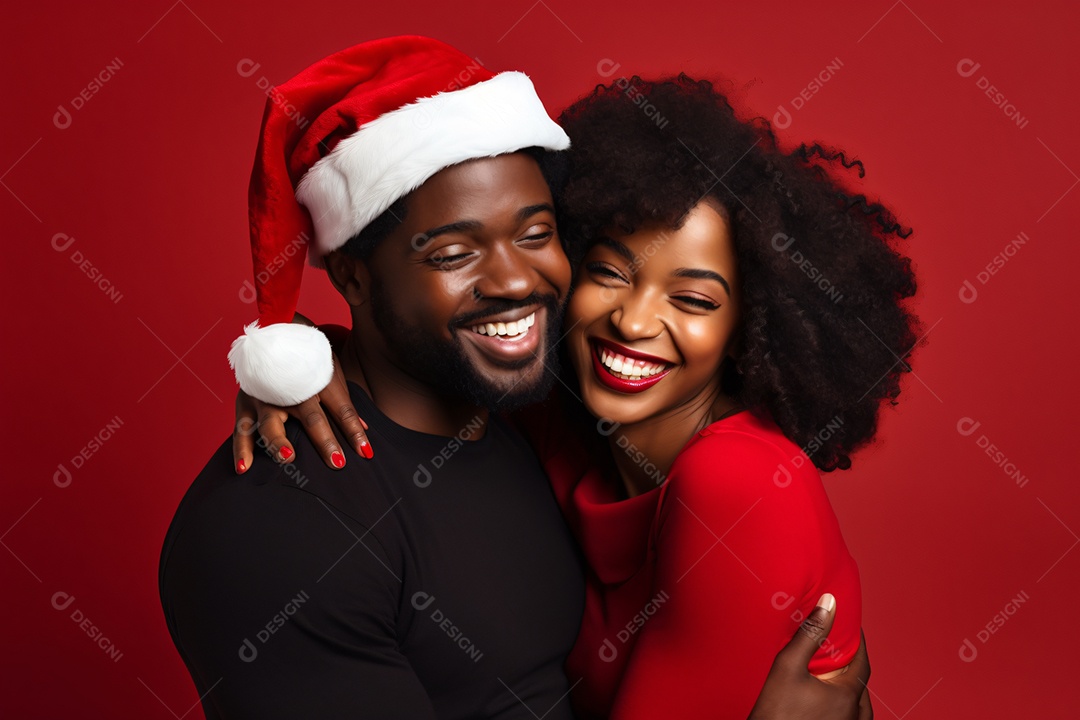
<point x="826" y="332"/>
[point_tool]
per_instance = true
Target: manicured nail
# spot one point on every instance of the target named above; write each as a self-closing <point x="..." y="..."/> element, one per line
<point x="365" y="450"/>
<point x="338" y="459"/>
<point x="827" y="602"/>
<point x="240" y="466"/>
<point x="285" y="453"/>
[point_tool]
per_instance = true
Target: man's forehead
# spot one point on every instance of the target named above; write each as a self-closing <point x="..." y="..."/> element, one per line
<point x="483" y="192"/>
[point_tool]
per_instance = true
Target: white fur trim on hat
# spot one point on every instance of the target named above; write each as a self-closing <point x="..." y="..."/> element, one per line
<point x="397" y="152"/>
<point x="282" y="364"/>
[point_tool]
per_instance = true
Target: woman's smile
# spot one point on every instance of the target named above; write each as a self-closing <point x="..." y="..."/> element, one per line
<point x="652" y="317"/>
<point x="625" y="370"/>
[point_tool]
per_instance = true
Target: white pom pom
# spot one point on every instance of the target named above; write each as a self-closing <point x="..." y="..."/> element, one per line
<point x="282" y="364"/>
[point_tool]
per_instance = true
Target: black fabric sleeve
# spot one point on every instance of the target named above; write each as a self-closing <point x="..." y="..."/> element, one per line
<point x="281" y="605"/>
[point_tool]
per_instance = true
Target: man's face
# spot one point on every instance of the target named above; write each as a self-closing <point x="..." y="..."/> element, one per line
<point x="468" y="291"/>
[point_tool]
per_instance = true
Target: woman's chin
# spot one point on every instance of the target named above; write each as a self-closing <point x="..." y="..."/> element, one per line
<point x="611" y="409"/>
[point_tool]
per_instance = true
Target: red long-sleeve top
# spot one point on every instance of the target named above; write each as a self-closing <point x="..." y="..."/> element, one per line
<point x="694" y="586"/>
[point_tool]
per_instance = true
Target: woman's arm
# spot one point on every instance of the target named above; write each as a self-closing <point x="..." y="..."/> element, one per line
<point x="741" y="560"/>
<point x="269" y="420"/>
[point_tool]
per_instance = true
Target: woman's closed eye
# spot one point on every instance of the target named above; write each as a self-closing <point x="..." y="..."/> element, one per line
<point x="696" y="302"/>
<point x="605" y="270"/>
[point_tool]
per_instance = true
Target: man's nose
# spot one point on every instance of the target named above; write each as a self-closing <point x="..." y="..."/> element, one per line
<point x="506" y="272"/>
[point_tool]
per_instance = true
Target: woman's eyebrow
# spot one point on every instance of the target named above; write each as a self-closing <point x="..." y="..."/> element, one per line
<point x="699" y="274"/>
<point x="527" y="212"/>
<point x="617" y="247"/>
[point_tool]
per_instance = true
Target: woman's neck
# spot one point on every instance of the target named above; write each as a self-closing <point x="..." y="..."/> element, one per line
<point x="645" y="451"/>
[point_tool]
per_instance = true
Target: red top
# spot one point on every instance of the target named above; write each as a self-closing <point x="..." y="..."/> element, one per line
<point x="694" y="586"/>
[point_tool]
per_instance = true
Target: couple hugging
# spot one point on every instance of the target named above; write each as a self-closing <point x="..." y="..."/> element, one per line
<point x="565" y="461"/>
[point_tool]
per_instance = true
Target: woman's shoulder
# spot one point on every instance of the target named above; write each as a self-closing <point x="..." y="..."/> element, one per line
<point x="746" y="461"/>
<point x="746" y="443"/>
<point x="744" y="473"/>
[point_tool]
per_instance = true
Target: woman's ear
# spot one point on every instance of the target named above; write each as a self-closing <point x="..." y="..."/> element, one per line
<point x="350" y="277"/>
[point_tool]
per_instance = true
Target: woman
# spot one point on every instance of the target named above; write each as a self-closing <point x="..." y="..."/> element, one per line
<point x="737" y="321"/>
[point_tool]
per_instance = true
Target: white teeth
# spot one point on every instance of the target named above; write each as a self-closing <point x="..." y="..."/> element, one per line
<point x="626" y="368"/>
<point x="513" y="328"/>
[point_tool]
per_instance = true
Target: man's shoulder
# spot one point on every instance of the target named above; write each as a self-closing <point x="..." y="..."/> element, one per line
<point x="278" y="514"/>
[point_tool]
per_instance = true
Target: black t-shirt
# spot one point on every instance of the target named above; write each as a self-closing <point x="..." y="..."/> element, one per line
<point x="437" y="580"/>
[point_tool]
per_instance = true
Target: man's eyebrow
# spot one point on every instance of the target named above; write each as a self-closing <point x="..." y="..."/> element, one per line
<point x="617" y="247"/>
<point x="460" y="226"/>
<point x="700" y="274"/>
<point x="464" y="226"/>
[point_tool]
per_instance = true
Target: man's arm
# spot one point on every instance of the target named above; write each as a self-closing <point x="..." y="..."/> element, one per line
<point x="792" y="693"/>
<point x="277" y="608"/>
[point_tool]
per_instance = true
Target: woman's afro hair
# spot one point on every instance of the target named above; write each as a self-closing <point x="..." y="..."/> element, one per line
<point x="825" y="331"/>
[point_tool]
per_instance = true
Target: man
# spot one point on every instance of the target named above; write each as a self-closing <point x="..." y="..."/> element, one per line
<point x="437" y="580"/>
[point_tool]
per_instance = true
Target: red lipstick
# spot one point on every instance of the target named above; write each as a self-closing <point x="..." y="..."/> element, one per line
<point x="624" y="385"/>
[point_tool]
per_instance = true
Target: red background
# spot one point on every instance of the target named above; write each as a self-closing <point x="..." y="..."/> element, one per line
<point x="150" y="180"/>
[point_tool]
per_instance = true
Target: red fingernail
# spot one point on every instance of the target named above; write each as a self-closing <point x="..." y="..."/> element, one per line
<point x="240" y="466"/>
<point x="285" y="453"/>
<point x="338" y="459"/>
<point x="366" y="450"/>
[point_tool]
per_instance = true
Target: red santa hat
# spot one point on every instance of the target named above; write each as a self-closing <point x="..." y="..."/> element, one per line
<point x="340" y="142"/>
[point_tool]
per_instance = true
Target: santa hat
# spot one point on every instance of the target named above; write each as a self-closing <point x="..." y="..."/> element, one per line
<point x="340" y="142"/>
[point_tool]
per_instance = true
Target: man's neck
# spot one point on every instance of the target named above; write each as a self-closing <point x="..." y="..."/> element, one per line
<point x="408" y="401"/>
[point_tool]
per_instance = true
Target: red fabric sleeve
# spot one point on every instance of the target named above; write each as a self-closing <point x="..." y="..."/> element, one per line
<point x="742" y="554"/>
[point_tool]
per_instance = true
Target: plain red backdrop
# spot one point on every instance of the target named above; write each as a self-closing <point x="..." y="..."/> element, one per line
<point x="125" y="220"/>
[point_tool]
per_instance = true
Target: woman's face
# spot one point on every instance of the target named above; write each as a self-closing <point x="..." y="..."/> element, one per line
<point x="652" y="317"/>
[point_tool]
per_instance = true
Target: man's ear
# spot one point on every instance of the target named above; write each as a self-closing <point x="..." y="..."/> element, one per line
<point x="350" y="277"/>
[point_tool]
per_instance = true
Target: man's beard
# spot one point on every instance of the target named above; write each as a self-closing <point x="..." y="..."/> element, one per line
<point x="443" y="364"/>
